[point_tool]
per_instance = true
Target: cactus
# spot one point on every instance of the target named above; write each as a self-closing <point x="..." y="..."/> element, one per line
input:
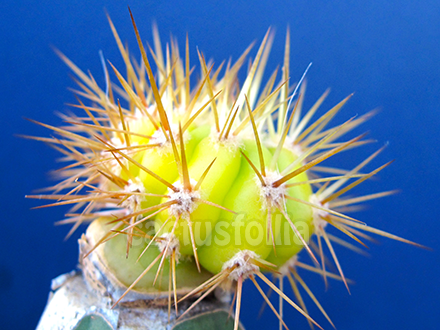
<point x="193" y="188"/>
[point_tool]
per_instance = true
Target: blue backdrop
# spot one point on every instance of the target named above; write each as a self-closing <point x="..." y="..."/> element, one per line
<point x="387" y="52"/>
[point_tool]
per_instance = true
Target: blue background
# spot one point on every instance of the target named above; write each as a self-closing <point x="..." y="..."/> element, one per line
<point x="387" y="52"/>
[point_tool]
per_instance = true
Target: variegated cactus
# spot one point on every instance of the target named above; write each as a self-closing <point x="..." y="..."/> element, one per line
<point x="190" y="186"/>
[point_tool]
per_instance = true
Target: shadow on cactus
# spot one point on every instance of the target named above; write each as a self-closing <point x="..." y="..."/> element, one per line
<point x="192" y="187"/>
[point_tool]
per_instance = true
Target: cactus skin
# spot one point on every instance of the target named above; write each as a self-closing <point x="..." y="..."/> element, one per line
<point x="204" y="187"/>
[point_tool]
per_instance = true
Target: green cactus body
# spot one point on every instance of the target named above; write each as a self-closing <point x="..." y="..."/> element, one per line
<point x="233" y="231"/>
<point x="288" y="244"/>
<point x="127" y="269"/>
<point x="213" y="189"/>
